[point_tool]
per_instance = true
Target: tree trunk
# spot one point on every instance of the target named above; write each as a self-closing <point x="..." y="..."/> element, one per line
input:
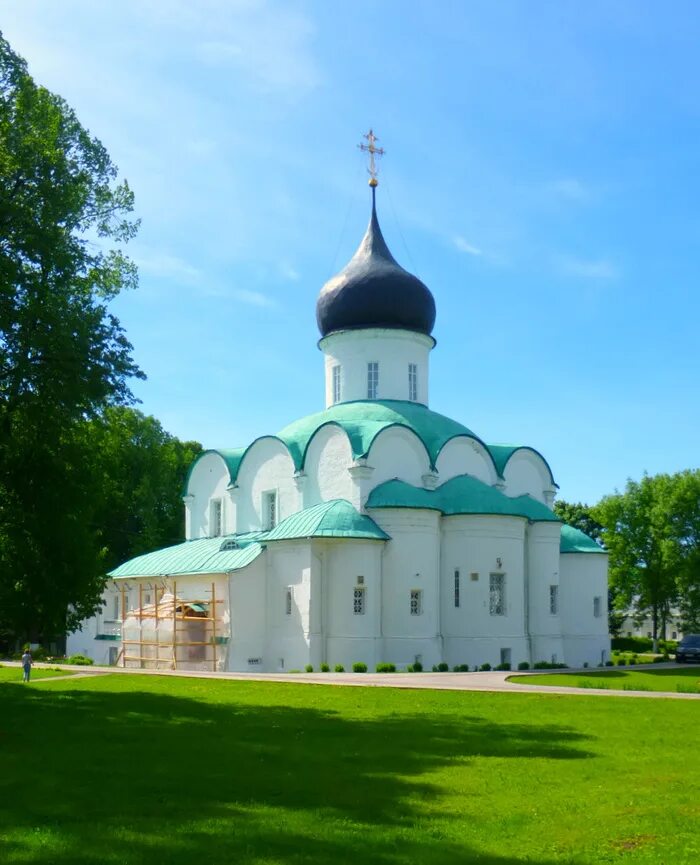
<point x="655" y="628"/>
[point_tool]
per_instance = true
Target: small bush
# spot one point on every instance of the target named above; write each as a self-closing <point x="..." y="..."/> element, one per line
<point x="585" y="665"/>
<point x="434" y="669"/>
<point x="484" y="668"/>
<point x="80" y="660"/>
<point x="309" y="668"/>
<point x="325" y="668"/>
<point x="359" y="667"/>
<point x="381" y="668"/>
<point x="621" y="662"/>
<point x="523" y="665"/>
<point x="540" y="665"/>
<point x="608" y="663"/>
<point x="503" y="666"/>
<point x="417" y="667"/>
<point x="443" y="667"/>
<point x="339" y="668"/>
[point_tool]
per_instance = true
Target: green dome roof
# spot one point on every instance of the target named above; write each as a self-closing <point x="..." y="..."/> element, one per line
<point x="575" y="541"/>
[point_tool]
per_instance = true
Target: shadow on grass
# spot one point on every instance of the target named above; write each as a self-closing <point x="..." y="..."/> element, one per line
<point x="139" y="777"/>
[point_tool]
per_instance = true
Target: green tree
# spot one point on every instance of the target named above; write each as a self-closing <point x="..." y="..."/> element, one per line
<point x="684" y="552"/>
<point x="63" y="356"/>
<point x="579" y="516"/>
<point x="142" y="470"/>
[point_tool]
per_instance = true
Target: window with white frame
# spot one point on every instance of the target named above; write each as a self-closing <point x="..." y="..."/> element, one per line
<point x="597" y="606"/>
<point x="497" y="594"/>
<point x="372" y="379"/>
<point x="288" y="600"/>
<point x="216" y="518"/>
<point x="554" y="600"/>
<point x="412" y="382"/>
<point x="336" y="383"/>
<point x="456" y="587"/>
<point x="358" y="601"/>
<point x="269" y="508"/>
<point x="416" y="602"/>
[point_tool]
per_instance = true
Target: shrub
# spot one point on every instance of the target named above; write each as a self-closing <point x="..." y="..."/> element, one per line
<point x="381" y="668"/>
<point x="503" y="666"/>
<point x="80" y="660"/>
<point x="485" y="668"/>
<point x="309" y="668"/>
<point x="409" y="669"/>
<point x="325" y="668"/>
<point x="359" y="667"/>
<point x="608" y="663"/>
<point x="523" y="665"/>
<point x="621" y="662"/>
<point x="339" y="668"/>
<point x="417" y="667"/>
<point x="585" y="665"/>
<point x="435" y="669"/>
<point x="443" y="667"/>
<point x="540" y="665"/>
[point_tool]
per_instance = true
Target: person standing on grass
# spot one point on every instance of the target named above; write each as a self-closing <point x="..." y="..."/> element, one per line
<point x="27" y="664"/>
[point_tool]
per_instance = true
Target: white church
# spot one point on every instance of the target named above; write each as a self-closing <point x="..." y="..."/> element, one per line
<point x="376" y="530"/>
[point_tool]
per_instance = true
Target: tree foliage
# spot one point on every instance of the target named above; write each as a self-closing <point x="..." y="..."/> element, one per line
<point x="579" y="516"/>
<point x="63" y="356"/>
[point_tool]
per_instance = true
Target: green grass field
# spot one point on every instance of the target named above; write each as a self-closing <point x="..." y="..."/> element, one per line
<point x="128" y="769"/>
<point x="681" y="679"/>
<point x="14" y="674"/>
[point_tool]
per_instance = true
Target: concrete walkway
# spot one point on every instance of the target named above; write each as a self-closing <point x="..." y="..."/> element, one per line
<point x="492" y="681"/>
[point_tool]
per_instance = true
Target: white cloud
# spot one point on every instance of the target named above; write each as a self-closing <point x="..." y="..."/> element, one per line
<point x="599" y="268"/>
<point x="464" y="246"/>
<point x="166" y="266"/>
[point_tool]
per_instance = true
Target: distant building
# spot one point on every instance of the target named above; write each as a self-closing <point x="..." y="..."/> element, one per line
<point x="374" y="530"/>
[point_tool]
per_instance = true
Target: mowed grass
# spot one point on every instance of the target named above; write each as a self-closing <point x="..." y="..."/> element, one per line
<point x="14" y="674"/>
<point x="130" y="769"/>
<point x="672" y="679"/>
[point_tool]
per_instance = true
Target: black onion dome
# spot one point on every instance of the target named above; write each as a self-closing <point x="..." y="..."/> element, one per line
<point x="373" y="290"/>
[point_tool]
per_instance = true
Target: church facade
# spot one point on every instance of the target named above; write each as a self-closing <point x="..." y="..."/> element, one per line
<point x="375" y="530"/>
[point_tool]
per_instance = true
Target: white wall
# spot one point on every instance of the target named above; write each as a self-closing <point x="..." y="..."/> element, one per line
<point x="209" y="480"/>
<point x="392" y="349"/>
<point x="397" y="452"/>
<point x="247" y="592"/>
<point x="327" y="461"/>
<point x="465" y="456"/>
<point x="527" y="474"/>
<point x="583" y="577"/>
<point x="288" y="564"/>
<point x="542" y="572"/>
<point x="267" y="466"/>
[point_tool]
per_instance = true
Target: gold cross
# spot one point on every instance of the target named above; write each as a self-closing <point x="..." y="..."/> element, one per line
<point x="373" y="151"/>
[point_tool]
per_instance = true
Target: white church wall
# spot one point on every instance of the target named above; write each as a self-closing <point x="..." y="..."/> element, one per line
<point x="397" y="452"/>
<point x="266" y="467"/>
<point x="411" y="562"/>
<point x="209" y="480"/>
<point x="344" y="567"/>
<point x="247" y="592"/>
<point x="289" y="566"/>
<point x="478" y="546"/>
<point x="465" y="456"/>
<point x="392" y="349"/>
<point x="526" y="474"/>
<point x="542" y="573"/>
<point x="584" y="577"/>
<point x="327" y="461"/>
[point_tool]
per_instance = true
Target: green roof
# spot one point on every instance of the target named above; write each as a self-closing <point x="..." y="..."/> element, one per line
<point x="362" y="421"/>
<point x="461" y="495"/>
<point x="201" y="556"/>
<point x="334" y="519"/>
<point x="575" y="541"/>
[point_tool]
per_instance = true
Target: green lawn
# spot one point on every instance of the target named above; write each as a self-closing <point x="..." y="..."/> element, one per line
<point x="683" y="679"/>
<point x="137" y="770"/>
<point x="14" y="674"/>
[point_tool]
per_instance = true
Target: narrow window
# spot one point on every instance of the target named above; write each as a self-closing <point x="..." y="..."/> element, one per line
<point x="598" y="607"/>
<point x="372" y="379"/>
<point x="336" y="384"/>
<point x="147" y="598"/>
<point x="412" y="382"/>
<point x="358" y="601"/>
<point x="288" y="600"/>
<point x="497" y="594"/>
<point x="505" y="656"/>
<point x="456" y="587"/>
<point x="416" y="602"/>
<point x="554" y="600"/>
<point x="216" y="521"/>
<point x="269" y="510"/>
<point x="116" y="616"/>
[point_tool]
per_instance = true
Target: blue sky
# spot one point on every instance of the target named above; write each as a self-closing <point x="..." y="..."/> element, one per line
<point x="541" y="177"/>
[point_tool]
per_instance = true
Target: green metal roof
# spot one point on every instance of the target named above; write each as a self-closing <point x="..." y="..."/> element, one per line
<point x="201" y="556"/>
<point x="362" y="421"/>
<point x="575" y="541"/>
<point x="334" y="519"/>
<point x="461" y="495"/>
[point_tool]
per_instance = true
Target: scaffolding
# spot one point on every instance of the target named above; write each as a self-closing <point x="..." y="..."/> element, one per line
<point x="173" y="632"/>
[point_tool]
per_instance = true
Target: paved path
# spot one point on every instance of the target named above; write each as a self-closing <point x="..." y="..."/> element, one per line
<point x="491" y="681"/>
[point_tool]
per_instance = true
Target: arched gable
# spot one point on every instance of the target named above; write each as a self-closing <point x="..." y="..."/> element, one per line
<point x="397" y="452"/>
<point x="527" y="473"/>
<point x="327" y="458"/>
<point x="266" y="466"/>
<point x="466" y="455"/>
<point x="208" y="479"/>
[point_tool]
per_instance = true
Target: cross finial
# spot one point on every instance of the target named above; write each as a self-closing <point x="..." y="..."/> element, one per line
<point x="373" y="151"/>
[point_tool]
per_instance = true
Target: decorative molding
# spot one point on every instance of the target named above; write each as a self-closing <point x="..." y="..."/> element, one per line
<point x="430" y="480"/>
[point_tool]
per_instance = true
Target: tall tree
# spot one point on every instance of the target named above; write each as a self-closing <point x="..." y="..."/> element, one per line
<point x="579" y="516"/>
<point x="63" y="356"/>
